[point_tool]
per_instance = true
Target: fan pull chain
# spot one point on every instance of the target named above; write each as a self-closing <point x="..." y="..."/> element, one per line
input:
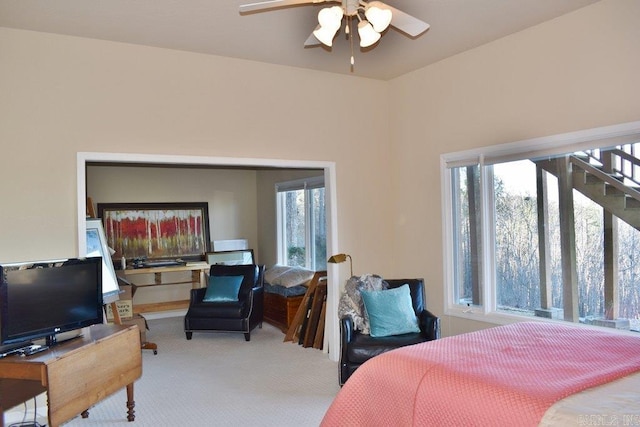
<point x="348" y="31"/>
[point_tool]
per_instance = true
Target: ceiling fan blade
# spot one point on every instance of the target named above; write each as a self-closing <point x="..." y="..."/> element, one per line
<point x="312" y="40"/>
<point x="407" y="23"/>
<point x="273" y="4"/>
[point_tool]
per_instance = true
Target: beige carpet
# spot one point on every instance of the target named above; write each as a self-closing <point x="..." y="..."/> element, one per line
<point x="219" y="379"/>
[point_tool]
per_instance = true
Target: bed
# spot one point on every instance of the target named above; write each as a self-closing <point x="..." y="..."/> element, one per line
<point x="525" y="374"/>
<point x="284" y="289"/>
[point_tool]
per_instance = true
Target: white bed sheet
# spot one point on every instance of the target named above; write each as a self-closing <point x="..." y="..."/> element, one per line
<point x="614" y="404"/>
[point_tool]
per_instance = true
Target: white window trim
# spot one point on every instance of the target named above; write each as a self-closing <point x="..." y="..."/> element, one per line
<point x="279" y="228"/>
<point x="531" y="148"/>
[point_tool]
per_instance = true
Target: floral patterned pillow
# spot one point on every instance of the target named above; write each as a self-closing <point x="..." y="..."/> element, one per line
<point x="351" y="303"/>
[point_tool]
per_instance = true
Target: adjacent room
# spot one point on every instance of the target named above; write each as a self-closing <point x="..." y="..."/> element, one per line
<point x="241" y="206"/>
<point x="478" y="165"/>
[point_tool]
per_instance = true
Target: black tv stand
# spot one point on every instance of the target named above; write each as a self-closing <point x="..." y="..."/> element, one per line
<point x="52" y="340"/>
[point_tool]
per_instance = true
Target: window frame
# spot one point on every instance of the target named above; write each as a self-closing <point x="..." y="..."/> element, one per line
<point x="305" y="184"/>
<point x="485" y="156"/>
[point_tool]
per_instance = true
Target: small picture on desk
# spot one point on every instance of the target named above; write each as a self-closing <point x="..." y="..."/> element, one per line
<point x="157" y="230"/>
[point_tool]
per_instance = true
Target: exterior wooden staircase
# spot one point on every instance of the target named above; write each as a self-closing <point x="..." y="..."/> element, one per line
<point x="610" y="178"/>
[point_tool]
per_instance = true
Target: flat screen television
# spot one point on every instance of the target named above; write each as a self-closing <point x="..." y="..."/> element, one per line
<point x="42" y="299"/>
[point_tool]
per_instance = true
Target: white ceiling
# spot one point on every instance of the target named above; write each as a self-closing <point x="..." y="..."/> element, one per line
<point x="277" y="36"/>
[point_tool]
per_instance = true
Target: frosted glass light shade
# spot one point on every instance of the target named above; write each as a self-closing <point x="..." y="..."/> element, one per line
<point x="378" y="17"/>
<point x="368" y="35"/>
<point x="329" y="19"/>
<point x="325" y="35"/>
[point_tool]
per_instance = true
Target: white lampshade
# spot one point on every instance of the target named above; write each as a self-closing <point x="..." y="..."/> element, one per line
<point x="368" y="35"/>
<point x="325" y="35"/>
<point x="378" y="17"/>
<point x="329" y="19"/>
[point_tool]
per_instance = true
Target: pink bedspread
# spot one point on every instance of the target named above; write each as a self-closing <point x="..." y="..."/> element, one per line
<point x="507" y="375"/>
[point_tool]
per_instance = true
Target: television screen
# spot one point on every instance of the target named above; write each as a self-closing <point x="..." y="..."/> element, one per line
<point x="45" y="298"/>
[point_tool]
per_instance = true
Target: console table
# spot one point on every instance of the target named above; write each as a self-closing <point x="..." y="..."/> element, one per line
<point x="197" y="270"/>
<point x="75" y="374"/>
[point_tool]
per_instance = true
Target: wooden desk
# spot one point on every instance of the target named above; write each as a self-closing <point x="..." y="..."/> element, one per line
<point x="197" y="280"/>
<point x="76" y="374"/>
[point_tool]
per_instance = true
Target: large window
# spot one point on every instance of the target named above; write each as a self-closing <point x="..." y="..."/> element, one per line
<point x="302" y="224"/>
<point x="548" y="233"/>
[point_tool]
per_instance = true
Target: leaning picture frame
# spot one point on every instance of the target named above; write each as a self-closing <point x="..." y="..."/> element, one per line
<point x="157" y="230"/>
<point x="97" y="247"/>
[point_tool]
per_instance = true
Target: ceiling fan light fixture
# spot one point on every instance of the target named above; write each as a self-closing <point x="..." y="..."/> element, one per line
<point x="374" y="16"/>
<point x="368" y="36"/>
<point x="378" y="16"/>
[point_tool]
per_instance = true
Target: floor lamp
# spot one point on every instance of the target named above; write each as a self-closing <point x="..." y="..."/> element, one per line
<point x="339" y="258"/>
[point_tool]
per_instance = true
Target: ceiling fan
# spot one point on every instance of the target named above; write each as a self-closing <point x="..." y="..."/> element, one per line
<point x="373" y="17"/>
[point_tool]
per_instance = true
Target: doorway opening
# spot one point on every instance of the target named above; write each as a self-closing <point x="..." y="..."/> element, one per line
<point x="85" y="159"/>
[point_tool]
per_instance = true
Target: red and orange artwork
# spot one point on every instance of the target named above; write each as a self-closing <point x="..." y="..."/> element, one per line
<point x="156" y="233"/>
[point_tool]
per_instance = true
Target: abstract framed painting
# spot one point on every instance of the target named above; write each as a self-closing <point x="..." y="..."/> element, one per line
<point x="157" y="230"/>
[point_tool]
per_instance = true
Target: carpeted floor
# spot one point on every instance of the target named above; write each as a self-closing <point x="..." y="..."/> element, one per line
<point x="219" y="379"/>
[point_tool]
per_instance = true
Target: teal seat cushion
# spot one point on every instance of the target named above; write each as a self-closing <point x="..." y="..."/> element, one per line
<point x="390" y="311"/>
<point x="223" y="288"/>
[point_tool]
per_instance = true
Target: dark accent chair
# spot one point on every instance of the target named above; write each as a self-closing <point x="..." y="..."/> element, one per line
<point x="357" y="348"/>
<point x="236" y="316"/>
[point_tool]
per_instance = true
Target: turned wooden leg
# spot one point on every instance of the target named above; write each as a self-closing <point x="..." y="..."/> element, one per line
<point x="130" y="403"/>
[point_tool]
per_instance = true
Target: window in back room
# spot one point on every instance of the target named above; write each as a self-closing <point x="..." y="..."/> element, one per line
<point x="302" y="223"/>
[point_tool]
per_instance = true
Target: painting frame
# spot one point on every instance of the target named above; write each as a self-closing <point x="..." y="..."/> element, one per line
<point x="157" y="231"/>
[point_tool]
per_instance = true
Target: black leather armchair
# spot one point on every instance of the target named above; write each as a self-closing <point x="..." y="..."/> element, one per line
<point x="357" y="348"/>
<point x="234" y="316"/>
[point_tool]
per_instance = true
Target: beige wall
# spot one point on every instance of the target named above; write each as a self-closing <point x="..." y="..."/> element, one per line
<point x="579" y="71"/>
<point x="61" y="95"/>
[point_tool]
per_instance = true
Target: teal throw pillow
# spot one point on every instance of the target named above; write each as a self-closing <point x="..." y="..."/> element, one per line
<point x="223" y="288"/>
<point x="390" y="311"/>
